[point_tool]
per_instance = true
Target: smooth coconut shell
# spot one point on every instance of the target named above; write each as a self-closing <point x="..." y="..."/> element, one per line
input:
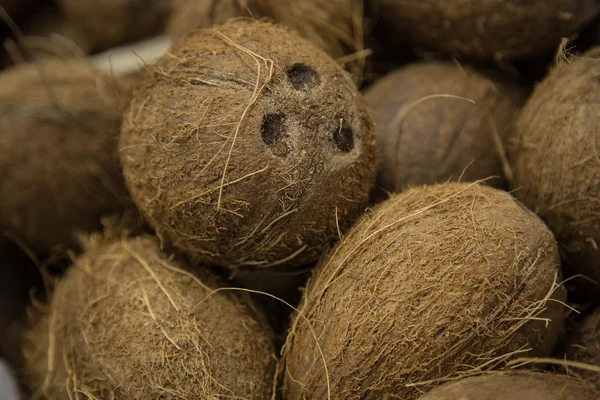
<point x="429" y="130"/>
<point x="129" y="322"/>
<point x="434" y="283"/>
<point x="515" y="386"/>
<point x="108" y="23"/>
<point x="59" y="165"/>
<point x="486" y="29"/>
<point x="247" y="146"/>
<point x="335" y="26"/>
<point x="555" y="161"/>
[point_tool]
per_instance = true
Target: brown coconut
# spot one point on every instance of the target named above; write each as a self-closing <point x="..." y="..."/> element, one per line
<point x="58" y="152"/>
<point x="435" y="283"/>
<point x="335" y="26"/>
<point x="108" y="23"/>
<point x="247" y="146"/>
<point x="485" y="29"/>
<point x="129" y="322"/>
<point x="440" y="121"/>
<point x="515" y="386"/>
<point x="555" y="161"/>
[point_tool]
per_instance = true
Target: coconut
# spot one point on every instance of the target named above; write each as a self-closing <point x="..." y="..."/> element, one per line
<point x="515" y="386"/>
<point x="247" y="146"/>
<point x="335" y="26"/>
<point x="435" y="283"/>
<point x="438" y="121"/>
<point x="555" y="161"/>
<point x="108" y="23"/>
<point x="58" y="156"/>
<point x="485" y="29"/>
<point x="130" y="322"/>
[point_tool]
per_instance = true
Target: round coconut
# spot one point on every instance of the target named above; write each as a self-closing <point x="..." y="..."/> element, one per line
<point x="335" y="26"/>
<point x="129" y="322"/>
<point x="59" y="163"/>
<point x="555" y="161"/>
<point x="107" y="23"/>
<point x="440" y="121"/>
<point x="486" y="29"/>
<point x="247" y="146"/>
<point x="434" y="283"/>
<point x="515" y="386"/>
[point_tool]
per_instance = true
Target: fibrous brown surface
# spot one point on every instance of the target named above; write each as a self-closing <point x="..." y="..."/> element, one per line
<point x="59" y="165"/>
<point x="486" y="29"/>
<point x="247" y="146"/>
<point x="438" y="282"/>
<point x="107" y="23"/>
<point x="556" y="164"/>
<point x="438" y="121"/>
<point x="515" y="386"/>
<point x="129" y="322"/>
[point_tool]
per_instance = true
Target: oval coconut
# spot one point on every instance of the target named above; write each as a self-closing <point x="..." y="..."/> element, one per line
<point x="486" y="29"/>
<point x="59" y="165"/>
<point x="515" y="386"/>
<point x="129" y="322"/>
<point x="335" y="26"/>
<point x="434" y="283"/>
<point x="247" y="146"/>
<point x="439" y="121"/>
<point x="555" y="161"/>
<point x="107" y="23"/>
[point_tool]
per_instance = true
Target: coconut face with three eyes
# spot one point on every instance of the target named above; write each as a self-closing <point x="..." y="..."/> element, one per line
<point x="248" y="146"/>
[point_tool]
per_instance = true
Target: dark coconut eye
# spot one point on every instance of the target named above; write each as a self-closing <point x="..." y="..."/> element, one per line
<point x="272" y="128"/>
<point x="343" y="137"/>
<point x="302" y="77"/>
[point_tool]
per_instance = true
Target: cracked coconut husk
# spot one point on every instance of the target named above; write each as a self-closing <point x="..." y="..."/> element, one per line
<point x="435" y="283"/>
<point x="488" y="30"/>
<point x="555" y="161"/>
<point x="129" y="322"/>
<point x="438" y="121"/>
<point x="335" y="26"/>
<point x="58" y="152"/>
<point x="247" y="146"/>
<point x="515" y="386"/>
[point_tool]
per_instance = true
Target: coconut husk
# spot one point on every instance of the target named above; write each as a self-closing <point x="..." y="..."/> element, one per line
<point x="440" y="121"/>
<point x="107" y="23"/>
<point x="247" y="146"/>
<point x="555" y="160"/>
<point x="515" y="386"/>
<point x="58" y="155"/>
<point x="130" y="322"/>
<point x="483" y="29"/>
<point x="436" y="283"/>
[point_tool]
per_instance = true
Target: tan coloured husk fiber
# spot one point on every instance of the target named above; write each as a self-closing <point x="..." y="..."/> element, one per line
<point x="335" y="26"/>
<point x="556" y="164"/>
<point x="486" y="29"/>
<point x="438" y="121"/>
<point x="59" y="165"/>
<point x="129" y="322"/>
<point x="107" y="23"/>
<point x="247" y="146"/>
<point x="515" y="386"/>
<point x="436" y="283"/>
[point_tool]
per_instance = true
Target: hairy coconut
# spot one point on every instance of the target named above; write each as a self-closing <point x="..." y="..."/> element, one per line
<point x="247" y="146"/>
<point x="129" y="322"/>
<point x="438" y="121"/>
<point x="335" y="26"/>
<point x="515" y="386"/>
<point x="485" y="29"/>
<point x="435" y="283"/>
<point x="59" y="165"/>
<point x="555" y="161"/>
<point x="108" y="23"/>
